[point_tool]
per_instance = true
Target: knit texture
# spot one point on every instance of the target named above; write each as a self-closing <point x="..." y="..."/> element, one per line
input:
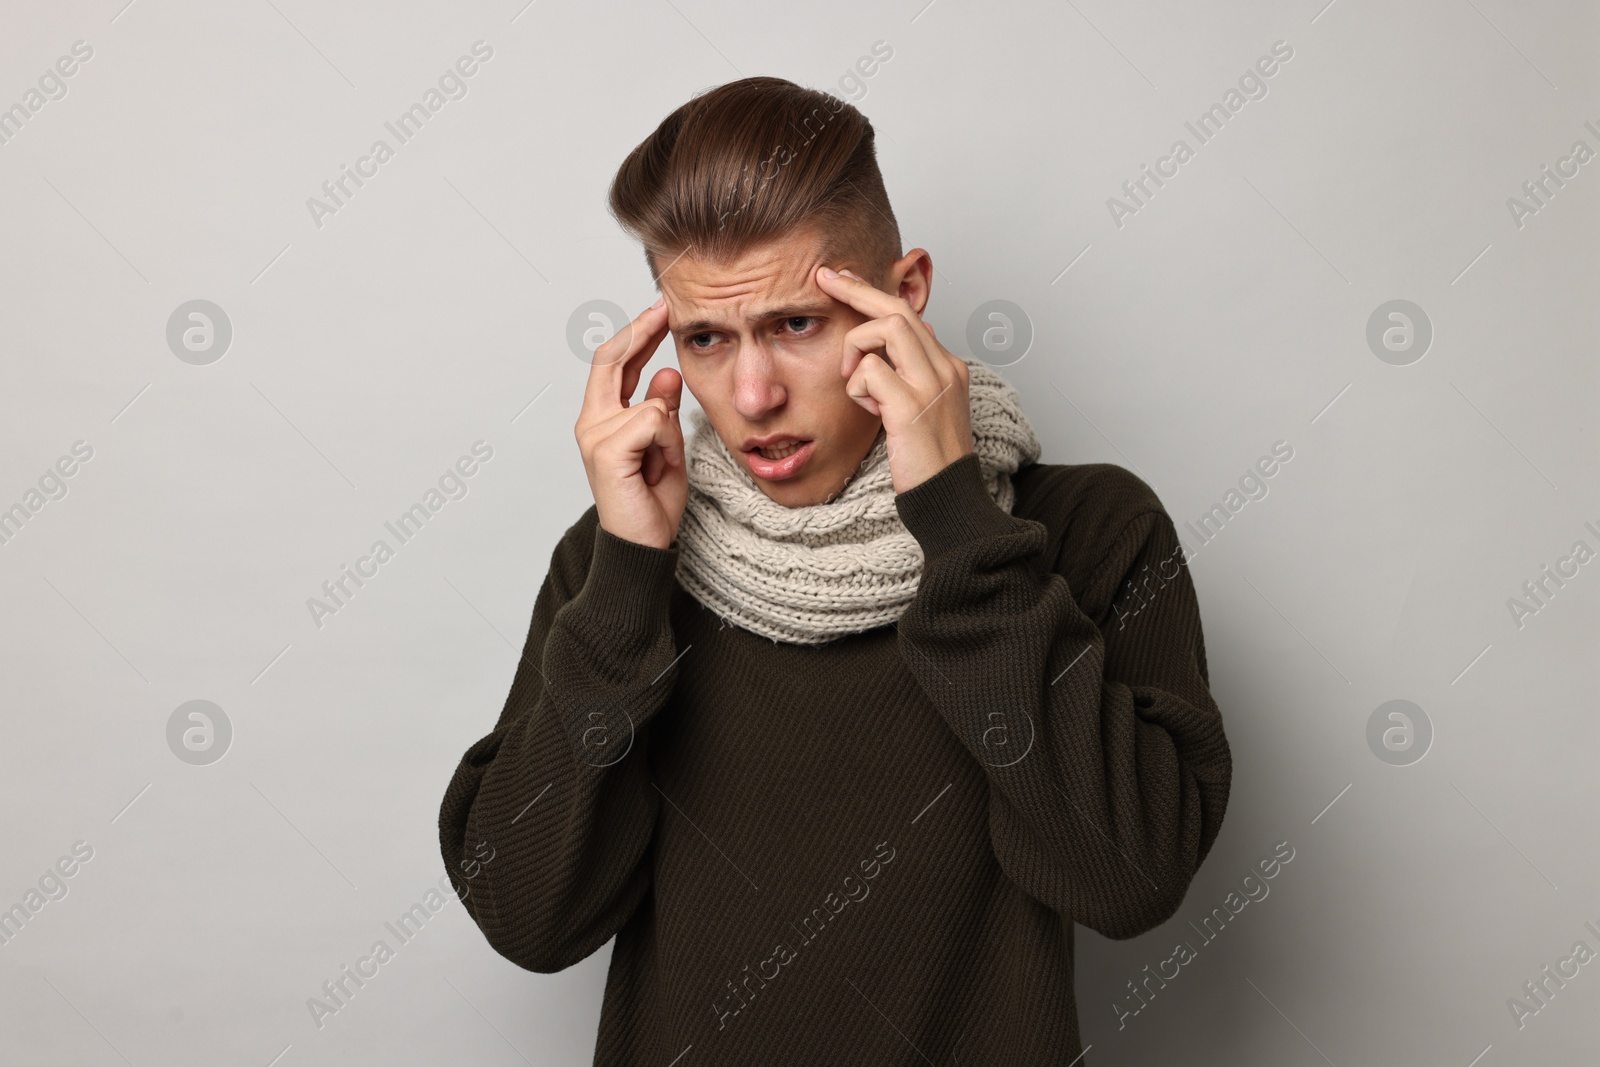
<point x="874" y="850"/>
<point x="808" y="575"/>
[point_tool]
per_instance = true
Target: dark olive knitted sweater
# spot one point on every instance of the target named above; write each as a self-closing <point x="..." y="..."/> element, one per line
<point x="871" y="851"/>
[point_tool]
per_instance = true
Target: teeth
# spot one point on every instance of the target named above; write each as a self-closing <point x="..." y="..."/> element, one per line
<point x="779" y="451"/>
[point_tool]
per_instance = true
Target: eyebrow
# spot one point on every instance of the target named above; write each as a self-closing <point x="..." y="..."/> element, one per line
<point x="793" y="311"/>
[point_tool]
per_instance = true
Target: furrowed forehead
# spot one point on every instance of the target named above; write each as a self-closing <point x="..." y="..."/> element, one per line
<point x="772" y="283"/>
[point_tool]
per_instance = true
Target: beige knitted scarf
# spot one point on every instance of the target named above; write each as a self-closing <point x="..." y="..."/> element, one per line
<point x="808" y="575"/>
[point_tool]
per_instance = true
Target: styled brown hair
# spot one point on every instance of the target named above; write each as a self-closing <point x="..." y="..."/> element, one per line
<point x="749" y="161"/>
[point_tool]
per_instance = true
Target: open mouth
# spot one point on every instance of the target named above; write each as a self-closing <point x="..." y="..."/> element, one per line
<point x="783" y="459"/>
<point x="788" y="448"/>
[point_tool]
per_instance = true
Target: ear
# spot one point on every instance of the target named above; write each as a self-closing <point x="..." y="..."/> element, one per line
<point x="911" y="278"/>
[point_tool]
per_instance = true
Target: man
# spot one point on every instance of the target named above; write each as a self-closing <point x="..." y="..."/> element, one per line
<point x="839" y="717"/>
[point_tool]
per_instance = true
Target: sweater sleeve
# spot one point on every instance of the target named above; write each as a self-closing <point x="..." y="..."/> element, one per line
<point x="1105" y="754"/>
<point x="546" y="824"/>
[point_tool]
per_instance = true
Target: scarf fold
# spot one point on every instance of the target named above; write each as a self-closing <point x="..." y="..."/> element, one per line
<point x="808" y="575"/>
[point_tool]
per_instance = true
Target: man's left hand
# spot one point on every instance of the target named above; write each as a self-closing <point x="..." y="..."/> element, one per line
<point x="898" y="370"/>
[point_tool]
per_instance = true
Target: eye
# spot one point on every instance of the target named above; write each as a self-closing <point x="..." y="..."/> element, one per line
<point x="799" y="323"/>
<point x="693" y="340"/>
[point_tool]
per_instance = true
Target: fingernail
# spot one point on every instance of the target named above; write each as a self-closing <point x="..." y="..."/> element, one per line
<point x="829" y="272"/>
<point x="848" y="274"/>
<point x="662" y="299"/>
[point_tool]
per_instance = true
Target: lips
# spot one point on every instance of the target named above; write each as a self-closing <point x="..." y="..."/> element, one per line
<point x="777" y="457"/>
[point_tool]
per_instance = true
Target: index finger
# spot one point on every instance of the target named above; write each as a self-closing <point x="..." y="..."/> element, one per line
<point x="614" y="371"/>
<point x="869" y="299"/>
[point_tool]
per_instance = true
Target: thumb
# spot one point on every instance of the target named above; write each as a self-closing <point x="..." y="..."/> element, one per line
<point x="668" y="385"/>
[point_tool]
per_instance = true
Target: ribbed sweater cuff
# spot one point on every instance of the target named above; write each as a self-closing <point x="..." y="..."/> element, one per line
<point x="952" y="508"/>
<point x="630" y="585"/>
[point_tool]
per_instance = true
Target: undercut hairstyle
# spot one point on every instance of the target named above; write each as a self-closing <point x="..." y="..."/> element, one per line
<point x="751" y="161"/>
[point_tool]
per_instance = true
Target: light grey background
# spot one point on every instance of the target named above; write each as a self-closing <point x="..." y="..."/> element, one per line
<point x="429" y="313"/>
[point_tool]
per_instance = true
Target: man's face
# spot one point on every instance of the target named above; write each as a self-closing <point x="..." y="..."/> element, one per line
<point x="760" y="346"/>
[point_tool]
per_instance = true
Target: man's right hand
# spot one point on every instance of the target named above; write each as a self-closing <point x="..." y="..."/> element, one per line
<point x="634" y="455"/>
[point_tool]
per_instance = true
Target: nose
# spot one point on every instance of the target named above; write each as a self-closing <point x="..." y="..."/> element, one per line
<point x="758" y="390"/>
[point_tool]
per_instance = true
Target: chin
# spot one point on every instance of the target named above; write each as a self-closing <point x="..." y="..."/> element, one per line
<point x="808" y="487"/>
<point x="790" y="494"/>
